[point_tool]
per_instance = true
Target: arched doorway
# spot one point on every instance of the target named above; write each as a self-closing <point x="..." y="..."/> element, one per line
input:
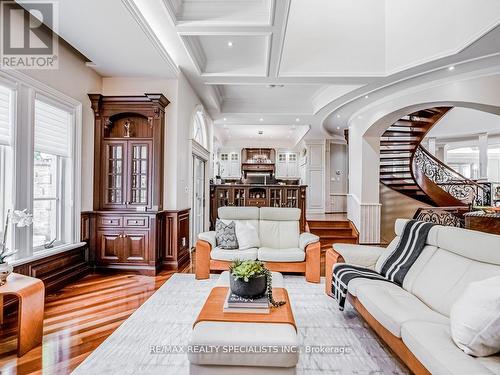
<point x="200" y="155"/>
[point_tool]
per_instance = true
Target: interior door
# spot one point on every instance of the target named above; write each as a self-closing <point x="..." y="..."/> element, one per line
<point x="114" y="174"/>
<point x="198" y="222"/>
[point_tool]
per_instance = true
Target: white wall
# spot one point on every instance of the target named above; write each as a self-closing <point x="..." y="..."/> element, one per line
<point x="75" y="79"/>
<point x="461" y="121"/>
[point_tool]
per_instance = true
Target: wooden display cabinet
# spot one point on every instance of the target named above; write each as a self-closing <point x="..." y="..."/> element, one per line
<point x="257" y="196"/>
<point x="128" y="228"/>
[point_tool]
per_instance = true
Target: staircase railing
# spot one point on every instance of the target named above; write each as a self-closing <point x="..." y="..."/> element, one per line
<point x="460" y="187"/>
<point x="449" y="216"/>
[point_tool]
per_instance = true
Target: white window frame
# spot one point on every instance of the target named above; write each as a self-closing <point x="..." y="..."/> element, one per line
<point x="26" y="90"/>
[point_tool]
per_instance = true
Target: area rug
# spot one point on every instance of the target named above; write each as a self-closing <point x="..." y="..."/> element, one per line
<point x="166" y="319"/>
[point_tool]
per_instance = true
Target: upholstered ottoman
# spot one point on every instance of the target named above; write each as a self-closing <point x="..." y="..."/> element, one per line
<point x="218" y="347"/>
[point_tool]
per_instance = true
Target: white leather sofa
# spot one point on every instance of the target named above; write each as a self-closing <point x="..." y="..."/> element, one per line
<point x="282" y="247"/>
<point x="414" y="319"/>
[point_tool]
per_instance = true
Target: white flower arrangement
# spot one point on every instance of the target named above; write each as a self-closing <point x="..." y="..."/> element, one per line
<point x="21" y="218"/>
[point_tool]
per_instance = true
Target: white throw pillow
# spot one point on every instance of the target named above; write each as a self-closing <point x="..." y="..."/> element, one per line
<point x="475" y="318"/>
<point x="247" y="235"/>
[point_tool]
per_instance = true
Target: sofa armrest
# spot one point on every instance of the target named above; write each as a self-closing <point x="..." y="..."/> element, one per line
<point x="306" y="239"/>
<point x="208" y="237"/>
<point x="204" y="245"/>
<point x="313" y="262"/>
<point x="359" y="255"/>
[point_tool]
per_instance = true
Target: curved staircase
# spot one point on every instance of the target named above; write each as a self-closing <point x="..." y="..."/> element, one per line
<point x="408" y="168"/>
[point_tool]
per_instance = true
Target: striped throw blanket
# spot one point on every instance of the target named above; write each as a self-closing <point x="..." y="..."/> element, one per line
<point x="395" y="267"/>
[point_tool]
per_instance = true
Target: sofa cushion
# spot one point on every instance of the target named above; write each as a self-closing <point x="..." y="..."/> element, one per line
<point x="444" y="277"/>
<point x="225" y="235"/>
<point x="392" y="306"/>
<point x="238" y="213"/>
<point x="267" y="254"/>
<point x="479" y="246"/>
<point x="279" y="234"/>
<point x="475" y="318"/>
<point x="247" y="235"/>
<point x="432" y="345"/>
<point x="492" y="363"/>
<point x="280" y="214"/>
<point x="355" y="284"/>
<point x="230" y="255"/>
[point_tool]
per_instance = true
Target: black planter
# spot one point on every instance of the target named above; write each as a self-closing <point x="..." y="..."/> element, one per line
<point x="255" y="287"/>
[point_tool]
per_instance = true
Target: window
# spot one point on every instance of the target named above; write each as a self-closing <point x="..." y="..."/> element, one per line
<point x="199" y="128"/>
<point x="6" y="155"/>
<point x="234" y="157"/>
<point x="51" y="175"/>
<point x="282" y="157"/>
<point x="223" y="157"/>
<point x="292" y="157"/>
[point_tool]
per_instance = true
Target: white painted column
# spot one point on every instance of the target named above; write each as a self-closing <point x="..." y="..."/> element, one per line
<point x="483" y="156"/>
<point x="431" y="145"/>
<point x="363" y="207"/>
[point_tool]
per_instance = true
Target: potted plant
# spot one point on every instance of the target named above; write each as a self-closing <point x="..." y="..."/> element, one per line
<point x="251" y="279"/>
<point x="21" y="219"/>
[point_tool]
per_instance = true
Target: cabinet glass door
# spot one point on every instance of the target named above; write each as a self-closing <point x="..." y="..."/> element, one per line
<point x="291" y="197"/>
<point x="139" y="173"/>
<point x="114" y="174"/>
<point x="275" y="197"/>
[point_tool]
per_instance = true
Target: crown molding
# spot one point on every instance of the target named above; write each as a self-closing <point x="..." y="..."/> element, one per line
<point x="148" y="31"/>
<point x="195" y="52"/>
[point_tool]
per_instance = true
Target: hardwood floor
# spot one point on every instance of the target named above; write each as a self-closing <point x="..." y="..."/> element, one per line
<point x="78" y="318"/>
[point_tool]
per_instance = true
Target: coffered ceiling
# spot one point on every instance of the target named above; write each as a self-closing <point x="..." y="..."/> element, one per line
<point x="280" y="62"/>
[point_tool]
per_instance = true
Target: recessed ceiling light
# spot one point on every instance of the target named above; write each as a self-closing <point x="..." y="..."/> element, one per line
<point x="366" y="96"/>
<point x="338" y="116"/>
<point x="225" y="119"/>
<point x="450" y="68"/>
<point x="297" y="119"/>
<point x="229" y="44"/>
<point x="261" y="119"/>
<point x="338" y="127"/>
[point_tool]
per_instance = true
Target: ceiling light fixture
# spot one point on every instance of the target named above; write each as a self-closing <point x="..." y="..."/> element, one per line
<point x="297" y="119"/>
<point x="338" y="127"/>
<point x="225" y="119"/>
<point x="338" y="116"/>
<point x="450" y="68"/>
<point x="261" y="119"/>
<point x="366" y="96"/>
<point x="260" y="132"/>
<point x="229" y="44"/>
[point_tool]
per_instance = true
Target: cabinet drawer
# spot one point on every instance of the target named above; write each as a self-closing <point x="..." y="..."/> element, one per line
<point x="137" y="222"/>
<point x="110" y="221"/>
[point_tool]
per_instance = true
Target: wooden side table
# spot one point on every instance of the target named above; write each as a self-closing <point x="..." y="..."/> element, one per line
<point x="31" y="295"/>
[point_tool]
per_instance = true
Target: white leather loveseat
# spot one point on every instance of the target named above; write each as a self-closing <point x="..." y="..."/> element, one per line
<point x="282" y="247"/>
<point x="414" y="320"/>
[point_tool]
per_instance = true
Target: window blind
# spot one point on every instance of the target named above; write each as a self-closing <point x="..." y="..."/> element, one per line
<point x="52" y="129"/>
<point x="5" y="116"/>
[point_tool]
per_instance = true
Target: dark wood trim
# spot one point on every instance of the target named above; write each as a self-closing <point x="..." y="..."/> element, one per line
<point x="175" y="229"/>
<point x="59" y="269"/>
<point x="56" y="271"/>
